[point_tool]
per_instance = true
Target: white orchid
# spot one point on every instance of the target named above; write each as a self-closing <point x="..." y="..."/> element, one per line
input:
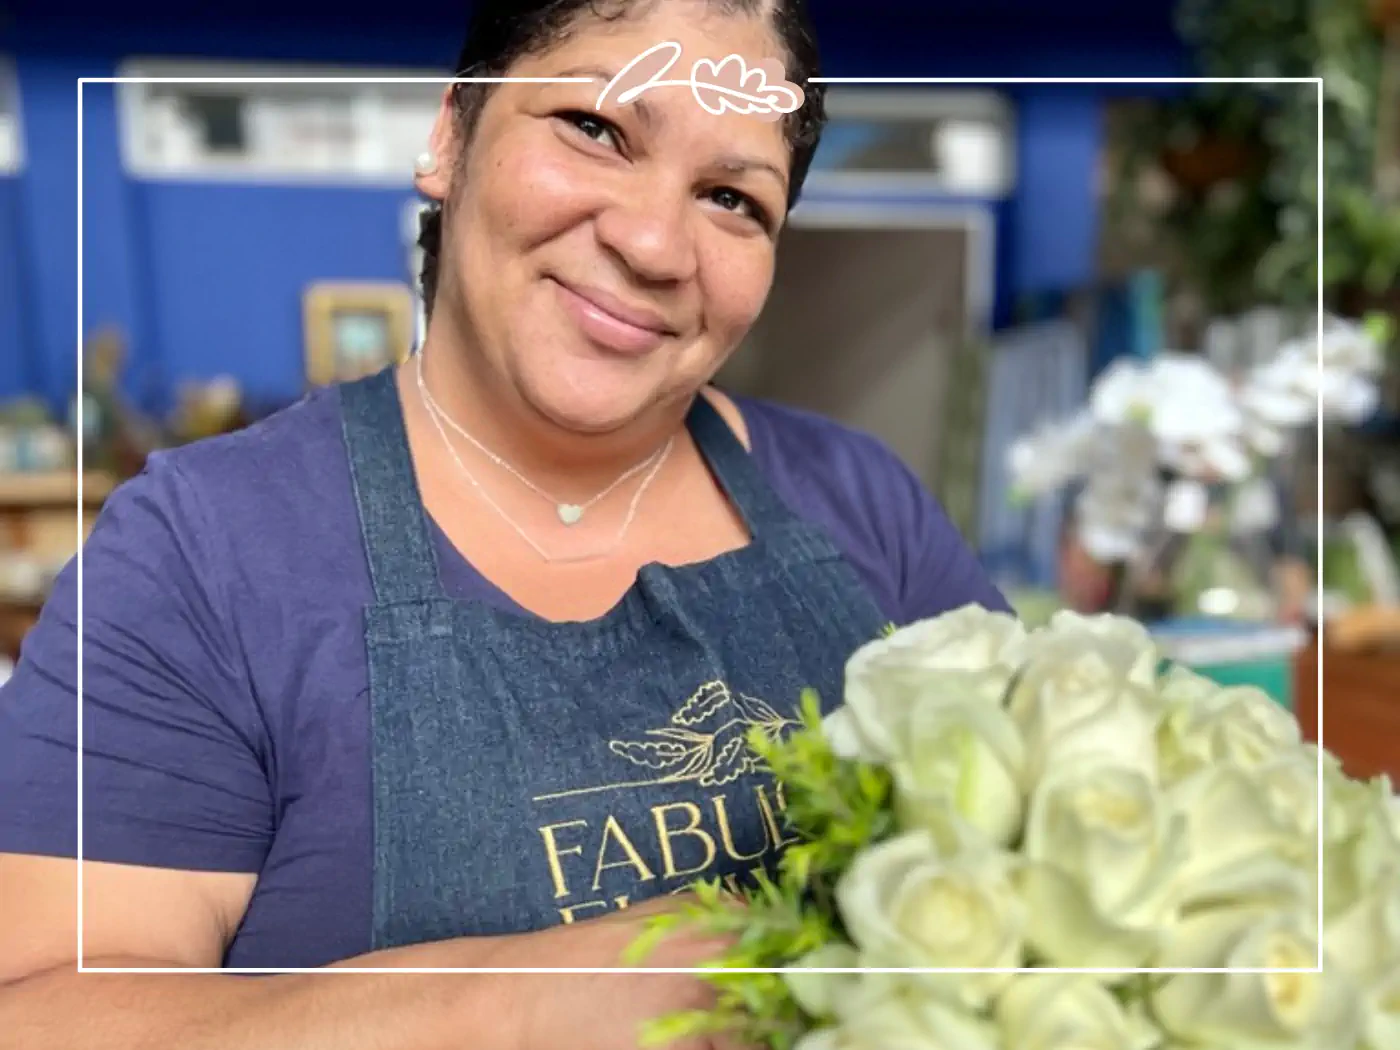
<point x="1351" y="347"/>
<point x="1115" y="511"/>
<point x="1054" y="455"/>
<point x="1339" y="370"/>
<point x="1180" y="414"/>
<point x="1193" y="415"/>
<point x="1282" y="392"/>
<point x="1122" y="393"/>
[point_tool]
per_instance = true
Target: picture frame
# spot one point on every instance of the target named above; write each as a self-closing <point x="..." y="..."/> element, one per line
<point x="355" y="328"/>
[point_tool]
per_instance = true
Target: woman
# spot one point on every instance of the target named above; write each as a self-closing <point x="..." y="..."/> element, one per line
<point x="450" y="666"/>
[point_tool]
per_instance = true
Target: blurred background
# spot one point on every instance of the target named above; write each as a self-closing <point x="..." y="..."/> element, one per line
<point x="1086" y="315"/>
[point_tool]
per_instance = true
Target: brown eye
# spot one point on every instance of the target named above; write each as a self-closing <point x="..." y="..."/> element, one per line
<point x="595" y="128"/>
<point x="731" y="199"/>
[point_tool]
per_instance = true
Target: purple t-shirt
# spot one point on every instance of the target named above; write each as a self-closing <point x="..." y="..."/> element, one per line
<point x="225" y="682"/>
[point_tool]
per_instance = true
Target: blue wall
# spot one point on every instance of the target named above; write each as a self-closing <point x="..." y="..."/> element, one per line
<point x="206" y="277"/>
<point x="47" y="225"/>
<point x="233" y="262"/>
<point x="1053" y="221"/>
<point x="14" y="343"/>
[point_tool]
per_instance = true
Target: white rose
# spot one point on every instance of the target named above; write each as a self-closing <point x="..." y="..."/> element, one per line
<point x="969" y="651"/>
<point x="1290" y="778"/>
<point x="1251" y="834"/>
<point x="1380" y="1011"/>
<point x="1087" y="692"/>
<point x="1362" y="844"/>
<point x="1104" y="855"/>
<point x="820" y="994"/>
<point x="1361" y="906"/>
<point x="1347" y="801"/>
<point x="1365" y="939"/>
<point x="906" y="903"/>
<point x="964" y="759"/>
<point x="1180" y="685"/>
<point x="843" y="733"/>
<point x="1068" y="1012"/>
<point x="1254" y="1011"/>
<point x="1122" y="634"/>
<point x="877" y="712"/>
<point x="1240" y="725"/>
<point x="883" y="1013"/>
<point x="970" y="638"/>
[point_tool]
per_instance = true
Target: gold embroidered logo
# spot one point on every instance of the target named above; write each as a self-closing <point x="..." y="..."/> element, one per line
<point x="707" y="740"/>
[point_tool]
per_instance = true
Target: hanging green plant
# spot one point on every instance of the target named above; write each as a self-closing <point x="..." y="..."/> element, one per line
<point x="1244" y="158"/>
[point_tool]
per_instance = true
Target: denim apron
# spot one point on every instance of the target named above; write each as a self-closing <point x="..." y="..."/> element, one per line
<point x="527" y="773"/>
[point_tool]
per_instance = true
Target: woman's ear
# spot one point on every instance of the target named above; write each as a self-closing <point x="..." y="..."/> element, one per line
<point x="433" y="168"/>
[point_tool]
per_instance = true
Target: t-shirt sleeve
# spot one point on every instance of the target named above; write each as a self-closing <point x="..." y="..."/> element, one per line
<point x="174" y="765"/>
<point x="937" y="569"/>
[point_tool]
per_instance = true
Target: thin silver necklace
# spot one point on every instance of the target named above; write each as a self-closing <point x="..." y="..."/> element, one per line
<point x="437" y="416"/>
<point x="569" y="513"/>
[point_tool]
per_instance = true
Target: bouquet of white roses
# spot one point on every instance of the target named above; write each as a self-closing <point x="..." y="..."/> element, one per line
<point x="988" y="799"/>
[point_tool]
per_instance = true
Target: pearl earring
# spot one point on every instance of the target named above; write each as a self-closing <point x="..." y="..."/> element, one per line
<point x="426" y="164"/>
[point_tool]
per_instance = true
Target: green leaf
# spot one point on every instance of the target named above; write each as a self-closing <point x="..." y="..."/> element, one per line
<point x="683" y="1024"/>
<point x="1380" y="327"/>
<point x="654" y="931"/>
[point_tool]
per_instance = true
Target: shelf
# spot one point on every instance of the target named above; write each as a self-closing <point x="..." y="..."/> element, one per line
<point x="52" y="489"/>
<point x="223" y="123"/>
<point x="926" y="142"/>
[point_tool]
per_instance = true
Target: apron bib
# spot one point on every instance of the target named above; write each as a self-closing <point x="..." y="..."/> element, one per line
<point x="527" y="773"/>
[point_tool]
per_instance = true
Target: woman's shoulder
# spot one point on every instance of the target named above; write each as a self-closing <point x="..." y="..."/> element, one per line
<point x="269" y="494"/>
<point x="874" y="505"/>
<point x="181" y="609"/>
<point x="835" y="458"/>
<point x="285" y="450"/>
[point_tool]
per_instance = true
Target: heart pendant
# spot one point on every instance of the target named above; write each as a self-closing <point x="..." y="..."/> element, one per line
<point x="570" y="513"/>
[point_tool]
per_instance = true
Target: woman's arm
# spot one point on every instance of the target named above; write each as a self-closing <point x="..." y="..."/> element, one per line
<point x="146" y="917"/>
<point x="65" y="1010"/>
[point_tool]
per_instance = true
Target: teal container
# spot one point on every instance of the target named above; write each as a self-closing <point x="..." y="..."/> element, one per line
<point x="1261" y="655"/>
<point x="1274" y="676"/>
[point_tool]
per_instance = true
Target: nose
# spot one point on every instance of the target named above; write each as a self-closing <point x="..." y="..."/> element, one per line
<point x="649" y="229"/>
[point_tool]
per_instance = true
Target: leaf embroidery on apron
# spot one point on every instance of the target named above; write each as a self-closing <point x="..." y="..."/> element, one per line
<point x="707" y="740"/>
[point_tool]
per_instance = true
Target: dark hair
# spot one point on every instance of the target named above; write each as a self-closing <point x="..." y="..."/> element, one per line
<point x="504" y="31"/>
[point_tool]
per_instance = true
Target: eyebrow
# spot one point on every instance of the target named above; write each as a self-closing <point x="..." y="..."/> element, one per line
<point x="732" y="164"/>
<point x="736" y="165"/>
<point x="644" y="111"/>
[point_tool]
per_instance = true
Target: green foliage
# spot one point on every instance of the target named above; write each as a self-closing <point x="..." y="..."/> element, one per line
<point x="835" y="808"/>
<point x="1342" y="571"/>
<point x="1253" y="237"/>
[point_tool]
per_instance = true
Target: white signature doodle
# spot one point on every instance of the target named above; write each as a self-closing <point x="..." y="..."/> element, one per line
<point x="715" y="85"/>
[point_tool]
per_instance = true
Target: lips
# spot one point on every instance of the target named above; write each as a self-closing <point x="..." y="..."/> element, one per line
<point x="612" y="324"/>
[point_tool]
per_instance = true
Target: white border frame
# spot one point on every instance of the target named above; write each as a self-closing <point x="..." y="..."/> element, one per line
<point x="1317" y="82"/>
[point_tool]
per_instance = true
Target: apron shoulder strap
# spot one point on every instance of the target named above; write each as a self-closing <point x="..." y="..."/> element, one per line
<point x="734" y="467"/>
<point x="393" y="525"/>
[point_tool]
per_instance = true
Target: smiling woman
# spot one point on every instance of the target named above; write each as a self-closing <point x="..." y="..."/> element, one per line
<point x="450" y="665"/>
<point x="650" y="224"/>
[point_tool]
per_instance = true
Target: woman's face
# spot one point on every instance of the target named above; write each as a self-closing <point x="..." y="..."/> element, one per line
<point x="604" y="262"/>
